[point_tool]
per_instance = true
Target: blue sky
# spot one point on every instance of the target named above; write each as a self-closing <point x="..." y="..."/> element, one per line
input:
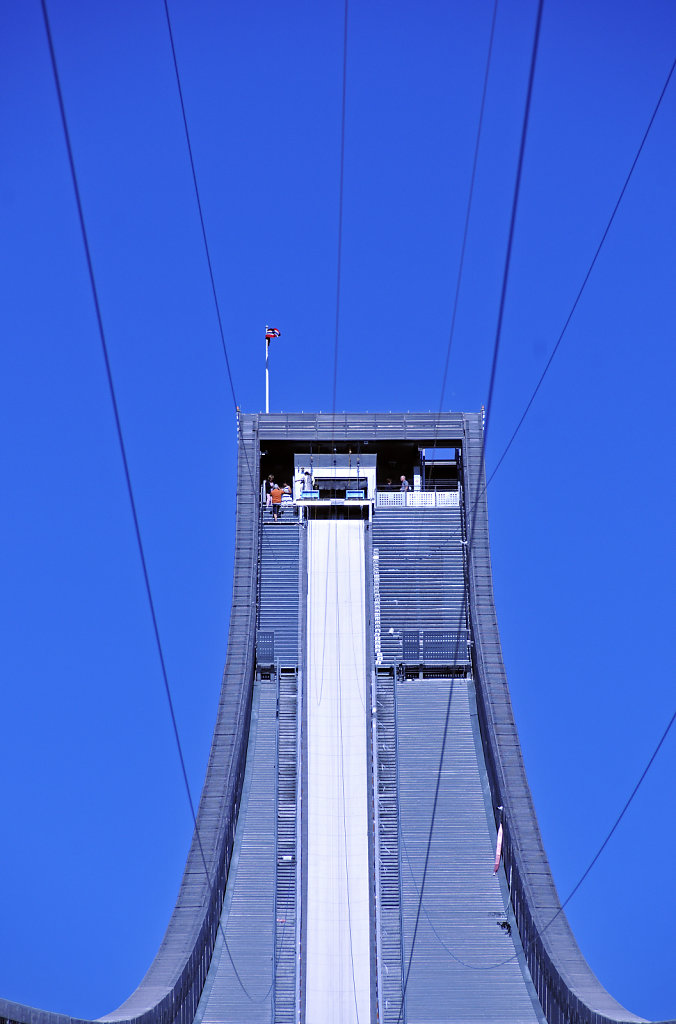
<point x="95" y="819"/>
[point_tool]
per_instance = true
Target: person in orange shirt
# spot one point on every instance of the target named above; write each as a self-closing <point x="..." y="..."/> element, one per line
<point x="276" y="495"/>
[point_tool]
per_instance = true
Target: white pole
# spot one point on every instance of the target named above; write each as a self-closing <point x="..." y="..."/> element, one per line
<point x="267" y="373"/>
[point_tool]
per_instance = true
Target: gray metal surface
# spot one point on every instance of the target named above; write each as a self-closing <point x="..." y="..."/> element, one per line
<point x="278" y="587"/>
<point x="239" y="985"/>
<point x="465" y="967"/>
<point x="265" y="647"/>
<point x="358" y="426"/>
<point x="286" y="891"/>
<point x="421" y="575"/>
<point x="388" y="853"/>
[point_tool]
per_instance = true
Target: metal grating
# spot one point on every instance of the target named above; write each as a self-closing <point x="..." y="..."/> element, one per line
<point x="286" y="908"/>
<point x="265" y="647"/>
<point x="389" y="887"/>
<point x="278" y="588"/>
<point x="410" y="643"/>
<point x="446" y="646"/>
<point x="463" y="961"/>
<point x="359" y="426"/>
<point x="421" y="575"/>
<point x="238" y="988"/>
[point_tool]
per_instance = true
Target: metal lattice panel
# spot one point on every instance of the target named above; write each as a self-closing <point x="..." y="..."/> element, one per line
<point x="445" y="645"/>
<point x="388" y="873"/>
<point x="421" y="577"/>
<point x="458" y="934"/>
<point x="265" y="647"/>
<point x="286" y="896"/>
<point x="238" y="988"/>
<point x="278" y="587"/>
<point x="410" y="644"/>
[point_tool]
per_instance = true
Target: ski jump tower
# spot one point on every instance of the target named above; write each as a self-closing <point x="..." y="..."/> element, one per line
<point x="365" y="759"/>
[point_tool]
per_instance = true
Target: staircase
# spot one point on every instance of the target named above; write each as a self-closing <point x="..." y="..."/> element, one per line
<point x="286" y="891"/>
<point x="388" y="852"/>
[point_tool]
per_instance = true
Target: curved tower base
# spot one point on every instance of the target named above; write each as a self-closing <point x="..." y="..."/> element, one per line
<point x="364" y="757"/>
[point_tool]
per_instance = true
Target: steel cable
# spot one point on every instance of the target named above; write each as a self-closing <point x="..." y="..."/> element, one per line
<point x="585" y="279"/>
<point x="468" y="211"/>
<point x="496" y="349"/>
<point x="123" y="451"/>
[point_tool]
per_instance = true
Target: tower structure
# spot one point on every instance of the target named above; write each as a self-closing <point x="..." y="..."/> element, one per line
<point x="365" y="775"/>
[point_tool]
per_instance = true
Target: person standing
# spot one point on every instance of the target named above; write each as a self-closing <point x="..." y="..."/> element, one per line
<point x="404" y="484"/>
<point x="287" y="498"/>
<point x="299" y="483"/>
<point x="276" y="501"/>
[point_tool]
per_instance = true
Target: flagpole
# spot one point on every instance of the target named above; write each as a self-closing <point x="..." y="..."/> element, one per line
<point x="267" y="373"/>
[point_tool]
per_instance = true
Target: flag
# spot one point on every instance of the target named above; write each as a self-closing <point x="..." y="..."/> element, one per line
<point x="271" y="332"/>
<point x="498" y="850"/>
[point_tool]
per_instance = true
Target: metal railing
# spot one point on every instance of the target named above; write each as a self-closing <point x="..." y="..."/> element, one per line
<point x="417" y="499"/>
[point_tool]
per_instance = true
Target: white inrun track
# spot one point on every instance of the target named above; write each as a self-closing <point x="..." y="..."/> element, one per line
<point x="337" y="937"/>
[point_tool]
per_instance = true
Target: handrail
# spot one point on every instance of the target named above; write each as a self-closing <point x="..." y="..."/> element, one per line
<point x="417" y="499"/>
